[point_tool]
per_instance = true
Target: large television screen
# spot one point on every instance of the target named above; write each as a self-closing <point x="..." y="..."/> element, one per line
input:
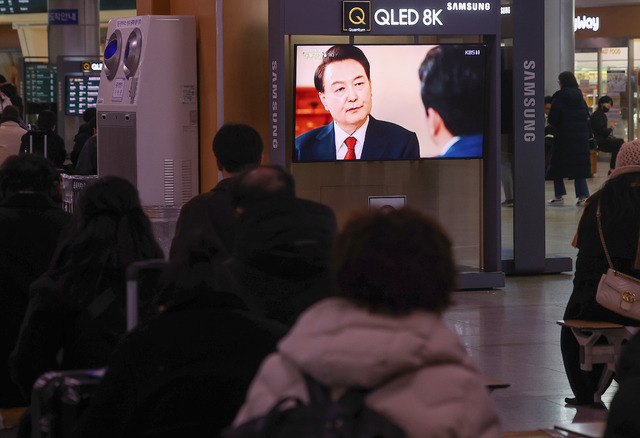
<point x="417" y="102"/>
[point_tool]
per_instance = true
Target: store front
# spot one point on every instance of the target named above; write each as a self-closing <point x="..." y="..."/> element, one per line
<point x="607" y="62"/>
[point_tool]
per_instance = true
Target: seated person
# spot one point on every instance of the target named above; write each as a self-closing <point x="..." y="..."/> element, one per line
<point x="384" y="332"/>
<point x="280" y="262"/>
<point x="31" y="223"/>
<point x="343" y="82"/>
<point x="603" y="133"/>
<point x="185" y="372"/>
<point x="78" y="305"/>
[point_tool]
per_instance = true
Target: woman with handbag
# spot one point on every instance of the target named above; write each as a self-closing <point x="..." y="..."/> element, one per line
<point x="618" y="206"/>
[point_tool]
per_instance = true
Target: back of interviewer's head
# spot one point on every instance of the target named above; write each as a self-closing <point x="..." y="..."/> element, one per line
<point x="237" y="146"/>
<point x="394" y="261"/>
<point x="452" y="83"/>
<point x="28" y="173"/>
<point x="261" y="183"/>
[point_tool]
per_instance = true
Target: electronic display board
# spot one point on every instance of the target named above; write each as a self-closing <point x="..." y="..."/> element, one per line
<point x="32" y="6"/>
<point x="22" y="6"/>
<point x="81" y="93"/>
<point x="40" y="82"/>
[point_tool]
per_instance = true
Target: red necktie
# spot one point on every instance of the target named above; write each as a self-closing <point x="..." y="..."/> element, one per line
<point x="351" y="145"/>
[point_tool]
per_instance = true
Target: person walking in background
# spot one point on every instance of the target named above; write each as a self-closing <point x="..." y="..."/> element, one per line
<point x="603" y="132"/>
<point x="618" y="203"/>
<point x="11" y="132"/>
<point x="33" y="141"/>
<point x="570" y="156"/>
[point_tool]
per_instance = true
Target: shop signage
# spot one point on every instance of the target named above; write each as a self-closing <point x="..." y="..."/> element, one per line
<point x="584" y="22"/>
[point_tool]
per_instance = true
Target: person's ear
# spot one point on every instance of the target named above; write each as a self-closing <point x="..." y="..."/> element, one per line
<point x="220" y="168"/>
<point x="323" y="100"/>
<point x="261" y="159"/>
<point x="434" y="121"/>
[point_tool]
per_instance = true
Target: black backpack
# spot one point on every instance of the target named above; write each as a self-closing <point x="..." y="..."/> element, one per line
<point x="348" y="417"/>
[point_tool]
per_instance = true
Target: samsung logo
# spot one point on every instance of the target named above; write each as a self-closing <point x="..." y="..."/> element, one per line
<point x="468" y="6"/>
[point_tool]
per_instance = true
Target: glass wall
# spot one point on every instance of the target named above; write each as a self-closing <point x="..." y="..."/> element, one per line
<point x="605" y="71"/>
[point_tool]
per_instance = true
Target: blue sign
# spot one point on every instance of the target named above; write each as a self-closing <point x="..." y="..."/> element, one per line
<point x="63" y="16"/>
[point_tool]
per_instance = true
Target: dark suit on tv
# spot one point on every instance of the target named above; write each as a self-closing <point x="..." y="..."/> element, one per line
<point x="383" y="141"/>
<point x="468" y="146"/>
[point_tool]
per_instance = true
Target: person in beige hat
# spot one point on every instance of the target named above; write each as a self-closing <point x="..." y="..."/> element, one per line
<point x="619" y="203"/>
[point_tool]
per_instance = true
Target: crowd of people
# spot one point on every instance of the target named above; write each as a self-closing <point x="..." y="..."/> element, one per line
<point x="257" y="276"/>
<point x="263" y="291"/>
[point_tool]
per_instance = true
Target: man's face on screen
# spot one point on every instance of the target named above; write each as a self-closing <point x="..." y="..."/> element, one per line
<point x="347" y="94"/>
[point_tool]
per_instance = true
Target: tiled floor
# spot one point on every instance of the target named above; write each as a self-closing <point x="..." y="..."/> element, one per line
<point x="512" y="332"/>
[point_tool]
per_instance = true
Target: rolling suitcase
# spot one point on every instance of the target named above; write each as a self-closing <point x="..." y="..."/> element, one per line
<point x="60" y="397"/>
<point x="58" y="400"/>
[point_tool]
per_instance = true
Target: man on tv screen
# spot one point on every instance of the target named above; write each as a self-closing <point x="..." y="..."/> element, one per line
<point x="344" y="86"/>
<point x="452" y="88"/>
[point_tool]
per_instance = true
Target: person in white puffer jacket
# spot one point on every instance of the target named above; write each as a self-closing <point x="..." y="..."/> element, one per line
<point x="395" y="274"/>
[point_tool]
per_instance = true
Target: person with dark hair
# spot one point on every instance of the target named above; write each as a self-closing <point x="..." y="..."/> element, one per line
<point x="87" y="163"/>
<point x="618" y="204"/>
<point x="236" y="148"/>
<point x="383" y="332"/>
<point x="570" y="157"/>
<point x="603" y="132"/>
<point x="31" y="221"/>
<point x="280" y="258"/>
<point x="10" y="91"/>
<point x="11" y="132"/>
<point x="197" y="357"/>
<point x="78" y="305"/>
<point x="33" y="142"/>
<point x="85" y="132"/>
<point x="343" y="83"/>
<point x="452" y="89"/>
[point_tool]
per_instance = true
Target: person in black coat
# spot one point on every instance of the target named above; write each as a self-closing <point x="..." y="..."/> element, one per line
<point x="602" y="132"/>
<point x="78" y="305"/>
<point x="570" y="157"/>
<point x="85" y="131"/>
<point x="31" y="222"/>
<point x="623" y="420"/>
<point x="280" y="262"/>
<point x="33" y="141"/>
<point x="619" y="201"/>
<point x="186" y="371"/>
<point x="236" y="147"/>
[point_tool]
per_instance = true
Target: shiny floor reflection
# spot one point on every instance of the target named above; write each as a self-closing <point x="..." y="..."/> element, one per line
<point x="512" y="333"/>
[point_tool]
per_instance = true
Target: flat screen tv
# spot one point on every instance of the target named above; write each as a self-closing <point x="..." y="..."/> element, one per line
<point x="392" y="96"/>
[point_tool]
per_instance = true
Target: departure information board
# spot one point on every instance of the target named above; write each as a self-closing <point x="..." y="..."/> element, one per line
<point x="22" y="6"/>
<point x="40" y="82"/>
<point x="30" y="6"/>
<point x="81" y="92"/>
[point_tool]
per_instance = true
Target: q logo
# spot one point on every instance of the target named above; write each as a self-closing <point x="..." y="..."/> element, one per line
<point x="356" y="16"/>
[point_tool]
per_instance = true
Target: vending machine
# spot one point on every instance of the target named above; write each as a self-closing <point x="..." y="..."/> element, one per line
<point x="147" y="107"/>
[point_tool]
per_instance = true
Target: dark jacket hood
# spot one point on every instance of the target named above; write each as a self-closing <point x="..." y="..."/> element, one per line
<point x="286" y="236"/>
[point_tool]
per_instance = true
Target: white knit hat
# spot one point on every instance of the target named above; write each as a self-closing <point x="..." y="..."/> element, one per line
<point x="628" y="159"/>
